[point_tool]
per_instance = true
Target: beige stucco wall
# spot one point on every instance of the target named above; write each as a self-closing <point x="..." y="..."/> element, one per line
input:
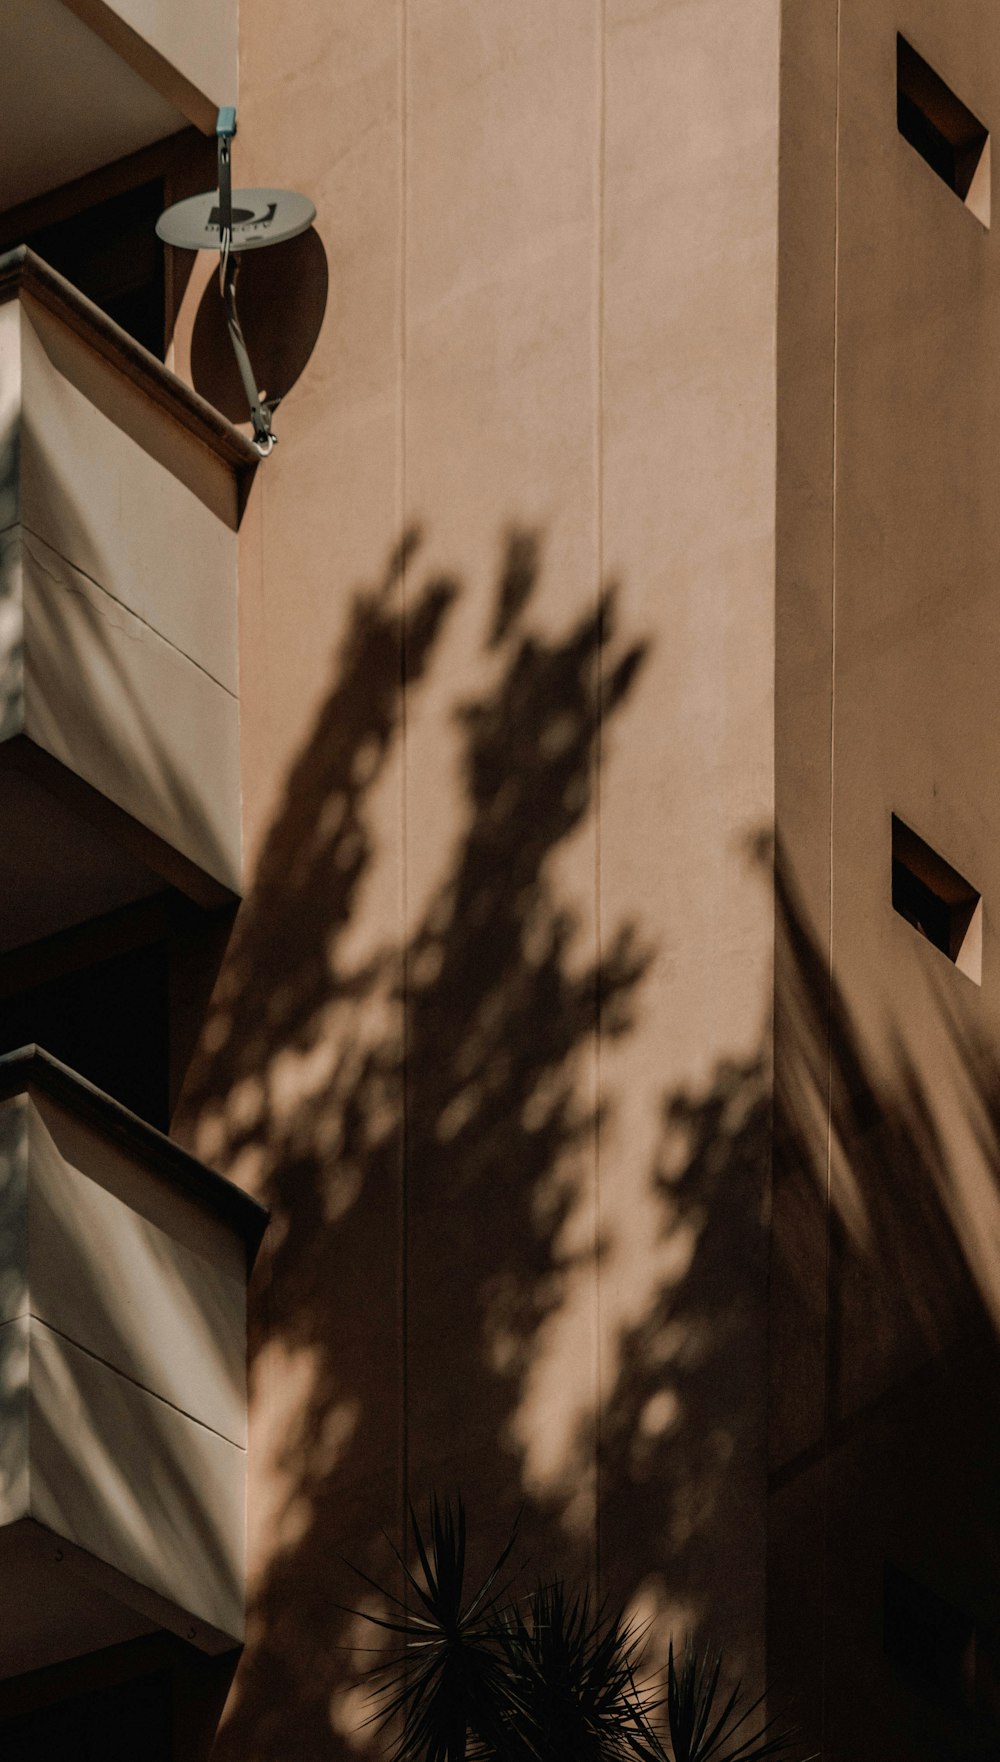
<point x="493" y="1033"/>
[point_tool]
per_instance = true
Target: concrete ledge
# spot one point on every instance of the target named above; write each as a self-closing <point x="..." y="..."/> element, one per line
<point x="32" y="1067"/>
<point x="22" y="272"/>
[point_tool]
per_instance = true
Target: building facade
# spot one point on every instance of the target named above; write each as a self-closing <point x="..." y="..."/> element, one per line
<point x="531" y="833"/>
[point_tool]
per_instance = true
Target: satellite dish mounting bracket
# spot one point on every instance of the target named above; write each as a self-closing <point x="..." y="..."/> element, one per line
<point x="211" y="222"/>
<point x="261" y="408"/>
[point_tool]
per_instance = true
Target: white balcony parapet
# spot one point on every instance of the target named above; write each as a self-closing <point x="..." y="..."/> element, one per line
<point x="120" y="497"/>
<point x="123" y="1269"/>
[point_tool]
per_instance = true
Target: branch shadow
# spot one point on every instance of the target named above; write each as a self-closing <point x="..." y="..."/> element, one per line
<point x="885" y="1368"/>
<point x="869" y="1186"/>
<point x="422" y="1176"/>
<point x="420" y="1120"/>
<point x="682" y="1432"/>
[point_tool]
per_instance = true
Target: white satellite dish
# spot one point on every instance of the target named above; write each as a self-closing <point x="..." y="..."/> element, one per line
<point x="259" y="217"/>
<point x="232" y="221"/>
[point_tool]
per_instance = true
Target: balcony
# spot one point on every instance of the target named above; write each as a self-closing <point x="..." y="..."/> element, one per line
<point x="120" y="496"/>
<point x="122" y="1376"/>
<point x="84" y="82"/>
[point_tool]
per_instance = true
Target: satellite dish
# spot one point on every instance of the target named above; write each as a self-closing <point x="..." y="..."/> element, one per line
<point x="259" y="217"/>
<point x="232" y="221"/>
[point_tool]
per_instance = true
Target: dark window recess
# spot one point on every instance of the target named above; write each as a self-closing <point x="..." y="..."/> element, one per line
<point x="942" y="129"/>
<point x="946" y="1654"/>
<point x="929" y="1641"/>
<point x="130" y="1722"/>
<point x="936" y="900"/>
<point x="109" y="1022"/>
<point x="920" y="906"/>
<point x="112" y="254"/>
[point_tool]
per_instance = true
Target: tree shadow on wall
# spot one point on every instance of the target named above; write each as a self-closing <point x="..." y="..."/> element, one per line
<point x="883" y="1359"/>
<point x="885" y="1354"/>
<point x="683" y="1422"/>
<point x="420" y="1119"/>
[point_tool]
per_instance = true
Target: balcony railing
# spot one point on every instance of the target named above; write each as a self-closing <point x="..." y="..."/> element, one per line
<point x="120" y="496"/>
<point x="123" y="1269"/>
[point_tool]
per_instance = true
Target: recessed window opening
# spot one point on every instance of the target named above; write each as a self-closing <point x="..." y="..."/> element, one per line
<point x="109" y="1022"/>
<point x="938" y="901"/>
<point x="931" y="1643"/>
<point x="111" y="253"/>
<point x="943" y="130"/>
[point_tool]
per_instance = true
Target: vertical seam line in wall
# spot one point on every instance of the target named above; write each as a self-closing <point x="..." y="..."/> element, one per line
<point x="404" y="1147"/>
<point x="598" y="759"/>
<point x="828" y="1336"/>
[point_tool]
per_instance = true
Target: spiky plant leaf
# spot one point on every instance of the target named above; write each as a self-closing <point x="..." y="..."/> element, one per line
<point x="549" y="1679"/>
<point x="573" y="1693"/>
<point x="706" y="1728"/>
<point x="444" y="1681"/>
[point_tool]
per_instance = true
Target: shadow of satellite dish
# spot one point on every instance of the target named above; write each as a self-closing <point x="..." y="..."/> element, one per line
<point x="283" y="294"/>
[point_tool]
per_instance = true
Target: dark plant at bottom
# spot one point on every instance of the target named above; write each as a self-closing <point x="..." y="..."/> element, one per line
<point x="487" y="1676"/>
<point x="699" y="1731"/>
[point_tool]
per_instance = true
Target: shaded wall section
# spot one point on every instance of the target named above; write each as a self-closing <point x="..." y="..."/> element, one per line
<point x="884" y="1278"/>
